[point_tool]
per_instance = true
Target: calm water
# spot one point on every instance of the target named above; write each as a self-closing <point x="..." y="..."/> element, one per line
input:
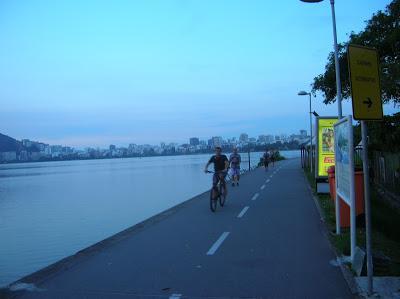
<point x="51" y="210"/>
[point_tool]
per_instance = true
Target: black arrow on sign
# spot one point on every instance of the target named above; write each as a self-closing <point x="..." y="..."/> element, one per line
<point x="368" y="102"/>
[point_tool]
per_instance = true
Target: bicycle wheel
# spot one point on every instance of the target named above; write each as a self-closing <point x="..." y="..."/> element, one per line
<point x="213" y="199"/>
<point x="222" y="194"/>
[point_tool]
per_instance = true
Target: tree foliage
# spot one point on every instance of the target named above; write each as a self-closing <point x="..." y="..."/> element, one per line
<point x="383" y="135"/>
<point x="382" y="32"/>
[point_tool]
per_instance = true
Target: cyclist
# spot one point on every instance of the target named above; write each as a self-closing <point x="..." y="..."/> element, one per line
<point x="234" y="161"/>
<point x="221" y="165"/>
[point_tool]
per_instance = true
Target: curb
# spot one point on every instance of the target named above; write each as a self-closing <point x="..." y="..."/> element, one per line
<point x="347" y="274"/>
<point x="49" y="271"/>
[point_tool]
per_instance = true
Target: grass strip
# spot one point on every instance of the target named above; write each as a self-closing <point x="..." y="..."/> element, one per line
<point x="385" y="231"/>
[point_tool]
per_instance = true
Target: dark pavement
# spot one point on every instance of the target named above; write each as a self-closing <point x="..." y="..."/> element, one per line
<point x="276" y="249"/>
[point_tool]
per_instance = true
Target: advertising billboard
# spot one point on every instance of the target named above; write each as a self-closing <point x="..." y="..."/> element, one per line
<point x="344" y="149"/>
<point x="344" y="175"/>
<point x="325" y="153"/>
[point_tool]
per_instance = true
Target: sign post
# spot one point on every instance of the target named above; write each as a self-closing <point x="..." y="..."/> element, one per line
<point x="367" y="105"/>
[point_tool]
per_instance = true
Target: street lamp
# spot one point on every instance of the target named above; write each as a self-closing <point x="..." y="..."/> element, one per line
<point x="335" y="46"/>
<point x="304" y="93"/>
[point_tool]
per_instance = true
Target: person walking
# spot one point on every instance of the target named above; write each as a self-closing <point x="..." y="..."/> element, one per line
<point x="273" y="157"/>
<point x="266" y="158"/>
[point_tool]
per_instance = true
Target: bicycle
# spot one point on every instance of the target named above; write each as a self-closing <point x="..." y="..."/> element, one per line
<point x="217" y="194"/>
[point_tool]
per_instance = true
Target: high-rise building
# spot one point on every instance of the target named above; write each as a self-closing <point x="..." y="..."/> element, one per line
<point x="112" y="147"/>
<point x="232" y="141"/>
<point x="194" y="141"/>
<point x="56" y="149"/>
<point x="270" y="139"/>
<point x="262" y="139"/>
<point x="243" y="137"/>
<point x="217" y="140"/>
<point x="26" y="142"/>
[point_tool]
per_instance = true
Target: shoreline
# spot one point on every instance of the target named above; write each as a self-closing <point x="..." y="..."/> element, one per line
<point x="44" y="273"/>
<point x="128" y="157"/>
<point x="185" y="198"/>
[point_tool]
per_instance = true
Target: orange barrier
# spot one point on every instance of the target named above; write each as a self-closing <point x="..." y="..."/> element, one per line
<point x="344" y="208"/>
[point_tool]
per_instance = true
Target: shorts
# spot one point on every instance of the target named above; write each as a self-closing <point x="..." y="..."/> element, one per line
<point x="235" y="171"/>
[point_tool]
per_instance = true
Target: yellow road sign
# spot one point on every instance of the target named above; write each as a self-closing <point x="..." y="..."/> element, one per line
<point x="365" y="83"/>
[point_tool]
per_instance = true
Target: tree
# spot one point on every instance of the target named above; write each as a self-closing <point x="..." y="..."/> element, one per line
<point x="381" y="32"/>
<point x="383" y="135"/>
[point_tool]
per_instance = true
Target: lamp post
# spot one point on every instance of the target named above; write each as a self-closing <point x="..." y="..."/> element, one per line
<point x="304" y="93"/>
<point x="335" y="46"/>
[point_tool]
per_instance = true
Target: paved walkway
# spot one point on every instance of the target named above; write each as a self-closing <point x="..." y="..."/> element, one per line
<point x="267" y="242"/>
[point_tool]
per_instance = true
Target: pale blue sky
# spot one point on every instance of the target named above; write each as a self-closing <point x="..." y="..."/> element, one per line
<point x="91" y="73"/>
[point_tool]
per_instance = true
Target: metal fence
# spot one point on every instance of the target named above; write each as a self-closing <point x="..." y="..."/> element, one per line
<point x="385" y="170"/>
<point x="305" y="157"/>
<point x="384" y="167"/>
<point x="358" y="157"/>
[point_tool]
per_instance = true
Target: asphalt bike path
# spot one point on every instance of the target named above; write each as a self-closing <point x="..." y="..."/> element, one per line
<point x="267" y="241"/>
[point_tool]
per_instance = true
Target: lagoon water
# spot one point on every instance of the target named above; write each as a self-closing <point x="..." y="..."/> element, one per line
<point x="50" y="210"/>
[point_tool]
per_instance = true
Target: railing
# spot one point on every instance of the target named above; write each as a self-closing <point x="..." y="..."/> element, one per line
<point x="305" y="157"/>
<point x="385" y="170"/>
<point x="246" y="168"/>
<point x="358" y="156"/>
<point x="384" y="167"/>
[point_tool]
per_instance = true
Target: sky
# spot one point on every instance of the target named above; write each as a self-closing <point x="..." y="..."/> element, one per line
<point x="94" y="73"/>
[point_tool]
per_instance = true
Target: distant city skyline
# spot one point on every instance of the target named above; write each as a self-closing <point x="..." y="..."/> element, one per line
<point x="118" y="141"/>
<point x="239" y="138"/>
<point x="27" y="150"/>
<point x="92" y="73"/>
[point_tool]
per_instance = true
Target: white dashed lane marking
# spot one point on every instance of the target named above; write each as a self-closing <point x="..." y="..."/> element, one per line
<point x="243" y="212"/>
<point x="218" y="243"/>
<point x="255" y="196"/>
<point x="262" y="187"/>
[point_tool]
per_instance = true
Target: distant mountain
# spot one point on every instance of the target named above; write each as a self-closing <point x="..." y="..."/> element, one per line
<point x="8" y="144"/>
